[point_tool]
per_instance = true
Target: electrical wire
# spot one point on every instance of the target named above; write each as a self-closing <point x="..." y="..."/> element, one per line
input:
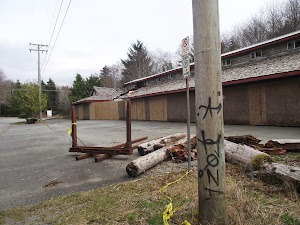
<point x="57" y="36"/>
<point x="53" y="31"/>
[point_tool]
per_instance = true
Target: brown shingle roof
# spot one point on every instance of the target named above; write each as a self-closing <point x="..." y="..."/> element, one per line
<point x="256" y="69"/>
<point x="101" y="94"/>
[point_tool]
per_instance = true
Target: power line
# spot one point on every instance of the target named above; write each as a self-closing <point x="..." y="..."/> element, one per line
<point x="57" y="35"/>
<point x="53" y="31"/>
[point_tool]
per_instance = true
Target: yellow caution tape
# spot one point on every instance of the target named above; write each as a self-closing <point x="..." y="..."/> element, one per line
<point x="70" y="130"/>
<point x="168" y="213"/>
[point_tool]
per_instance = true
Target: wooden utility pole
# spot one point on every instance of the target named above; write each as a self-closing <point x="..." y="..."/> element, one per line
<point x="39" y="72"/>
<point x="209" y="112"/>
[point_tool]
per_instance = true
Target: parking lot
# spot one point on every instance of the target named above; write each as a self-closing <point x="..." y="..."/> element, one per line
<point x="34" y="155"/>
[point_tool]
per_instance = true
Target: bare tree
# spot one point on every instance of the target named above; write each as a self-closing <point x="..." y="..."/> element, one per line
<point x="162" y="61"/>
<point x="64" y="106"/>
<point x="292" y="15"/>
<point x="274" y="20"/>
<point x="5" y="91"/>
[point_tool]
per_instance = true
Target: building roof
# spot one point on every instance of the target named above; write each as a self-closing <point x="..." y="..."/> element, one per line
<point x="283" y="66"/>
<point x="101" y="94"/>
<point x="229" y="54"/>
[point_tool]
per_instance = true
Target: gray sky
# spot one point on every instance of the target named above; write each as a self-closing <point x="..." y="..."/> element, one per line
<point x="96" y="33"/>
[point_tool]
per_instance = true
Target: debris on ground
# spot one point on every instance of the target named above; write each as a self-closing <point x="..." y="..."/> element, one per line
<point x="179" y="152"/>
<point x="52" y="183"/>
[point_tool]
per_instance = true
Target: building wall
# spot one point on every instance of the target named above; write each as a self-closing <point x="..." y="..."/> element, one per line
<point x="275" y="102"/>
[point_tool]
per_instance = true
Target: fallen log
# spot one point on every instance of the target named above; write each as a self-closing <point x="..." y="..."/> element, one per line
<point x="253" y="160"/>
<point x="140" y="165"/>
<point x="245" y="156"/>
<point x="179" y="152"/>
<point x="280" y="172"/>
<point x="153" y="145"/>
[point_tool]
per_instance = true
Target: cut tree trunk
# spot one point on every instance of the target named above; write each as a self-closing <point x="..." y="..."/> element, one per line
<point x="179" y="152"/>
<point x="151" y="146"/>
<point x="140" y="165"/>
<point x="245" y="156"/>
<point x="281" y="172"/>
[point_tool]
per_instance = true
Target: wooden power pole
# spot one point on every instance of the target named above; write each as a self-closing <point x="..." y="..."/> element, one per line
<point x="39" y="72"/>
<point x="209" y="112"/>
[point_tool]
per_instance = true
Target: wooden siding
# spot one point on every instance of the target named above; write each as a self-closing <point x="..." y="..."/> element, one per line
<point x="158" y="108"/>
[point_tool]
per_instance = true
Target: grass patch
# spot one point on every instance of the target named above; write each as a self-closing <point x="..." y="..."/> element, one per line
<point x="139" y="202"/>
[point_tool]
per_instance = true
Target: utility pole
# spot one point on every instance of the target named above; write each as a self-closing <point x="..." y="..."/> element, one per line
<point x="209" y="112"/>
<point x="39" y="46"/>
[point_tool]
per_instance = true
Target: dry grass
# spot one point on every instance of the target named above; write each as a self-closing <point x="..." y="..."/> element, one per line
<point x="248" y="202"/>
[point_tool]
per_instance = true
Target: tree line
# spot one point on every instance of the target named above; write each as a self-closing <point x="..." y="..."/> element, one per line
<point x="274" y="20"/>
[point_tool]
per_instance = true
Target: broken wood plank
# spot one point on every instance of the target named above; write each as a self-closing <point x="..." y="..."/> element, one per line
<point x="179" y="152"/>
<point x="287" y="144"/>
<point x="244" y="139"/>
<point x="153" y="145"/>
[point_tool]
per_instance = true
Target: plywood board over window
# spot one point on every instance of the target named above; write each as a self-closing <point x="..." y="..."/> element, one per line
<point x="257" y="104"/>
<point x="80" y="111"/>
<point x="158" y="108"/>
<point x="138" y="109"/>
<point x="107" y="110"/>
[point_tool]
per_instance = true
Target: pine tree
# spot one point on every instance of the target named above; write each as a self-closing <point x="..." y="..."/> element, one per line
<point x="138" y="64"/>
<point x="50" y="91"/>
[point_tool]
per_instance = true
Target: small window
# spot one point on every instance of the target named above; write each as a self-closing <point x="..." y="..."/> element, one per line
<point x="226" y="62"/>
<point x="147" y="82"/>
<point x="170" y="76"/>
<point x="132" y="86"/>
<point x="290" y="45"/>
<point x="158" y="79"/>
<point x="257" y="54"/>
<point x="293" y="44"/>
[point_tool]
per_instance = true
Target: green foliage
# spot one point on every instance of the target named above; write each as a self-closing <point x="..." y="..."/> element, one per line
<point x="82" y="88"/>
<point x="52" y="98"/>
<point x="138" y="64"/>
<point x="26" y="100"/>
<point x="290" y="220"/>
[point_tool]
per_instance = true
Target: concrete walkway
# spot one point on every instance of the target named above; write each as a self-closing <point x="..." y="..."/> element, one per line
<point x="34" y="155"/>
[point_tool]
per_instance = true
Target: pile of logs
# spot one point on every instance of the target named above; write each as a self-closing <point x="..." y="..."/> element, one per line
<point x="272" y="147"/>
<point x="153" y="145"/>
<point x="179" y="152"/>
<point x="243" y="155"/>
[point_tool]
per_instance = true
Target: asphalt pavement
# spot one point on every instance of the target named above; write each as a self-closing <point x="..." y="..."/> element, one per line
<point x="32" y="155"/>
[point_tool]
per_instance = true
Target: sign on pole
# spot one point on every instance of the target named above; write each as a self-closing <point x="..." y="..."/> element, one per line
<point x="186" y="75"/>
<point x="185" y="57"/>
<point x="185" y="47"/>
<point x="186" y="66"/>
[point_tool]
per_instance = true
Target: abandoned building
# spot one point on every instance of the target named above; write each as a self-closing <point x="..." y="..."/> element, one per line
<point x="261" y="86"/>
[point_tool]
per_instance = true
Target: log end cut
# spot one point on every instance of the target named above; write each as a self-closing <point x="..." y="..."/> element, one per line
<point x="132" y="170"/>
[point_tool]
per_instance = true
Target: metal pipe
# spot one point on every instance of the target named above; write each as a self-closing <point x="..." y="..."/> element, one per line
<point x="74" y="128"/>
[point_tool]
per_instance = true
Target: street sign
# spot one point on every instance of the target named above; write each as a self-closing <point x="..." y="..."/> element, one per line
<point x="186" y="66"/>
<point x="185" y="46"/>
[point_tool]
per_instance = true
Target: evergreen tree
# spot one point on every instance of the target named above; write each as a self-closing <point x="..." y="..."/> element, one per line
<point x="78" y="89"/>
<point x="106" y="78"/>
<point x="50" y="91"/>
<point x="82" y="88"/>
<point x="138" y="64"/>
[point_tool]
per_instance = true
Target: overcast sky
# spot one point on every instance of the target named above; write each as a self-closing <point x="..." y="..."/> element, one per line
<point x="96" y="33"/>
